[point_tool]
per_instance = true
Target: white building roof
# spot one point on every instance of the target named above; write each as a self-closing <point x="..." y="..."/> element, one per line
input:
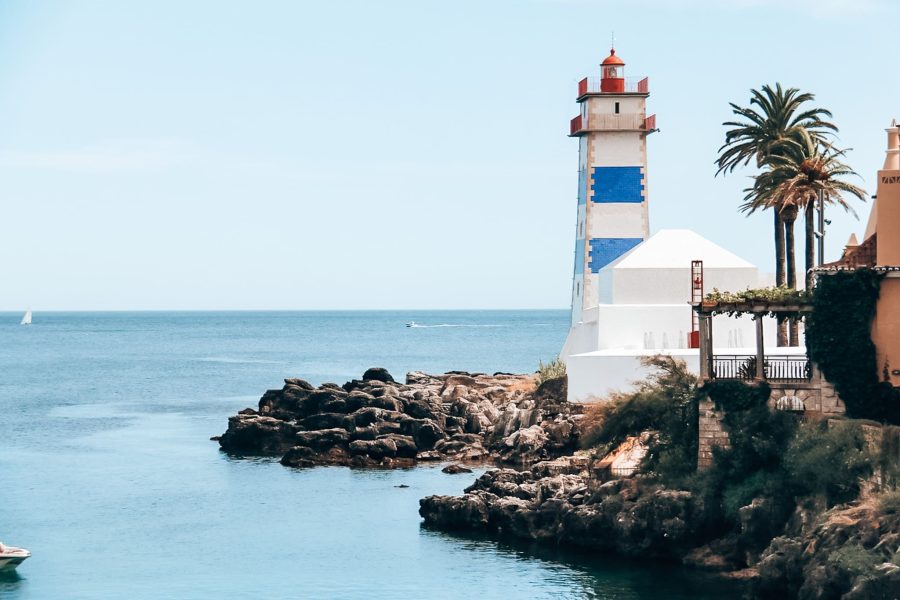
<point x="676" y="248"/>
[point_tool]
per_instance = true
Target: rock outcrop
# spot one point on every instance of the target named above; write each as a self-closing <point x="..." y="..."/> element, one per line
<point x="851" y="553"/>
<point x="556" y="501"/>
<point x="375" y="421"/>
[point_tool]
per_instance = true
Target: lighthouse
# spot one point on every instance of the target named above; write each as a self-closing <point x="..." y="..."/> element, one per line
<point x="612" y="217"/>
<point x="631" y="291"/>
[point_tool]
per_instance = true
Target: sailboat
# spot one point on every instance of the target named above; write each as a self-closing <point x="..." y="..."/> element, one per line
<point x="26" y="320"/>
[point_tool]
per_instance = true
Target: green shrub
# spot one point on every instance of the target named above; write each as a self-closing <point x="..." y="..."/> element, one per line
<point x="849" y="562"/>
<point x="555" y="369"/>
<point x="751" y="467"/>
<point x="889" y="456"/>
<point x="665" y="402"/>
<point x="889" y="503"/>
<point x="829" y="460"/>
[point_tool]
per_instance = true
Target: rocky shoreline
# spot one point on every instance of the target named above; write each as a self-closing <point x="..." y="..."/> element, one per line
<point x="550" y="492"/>
<point x="847" y="553"/>
<point x="377" y="422"/>
<point x="558" y="502"/>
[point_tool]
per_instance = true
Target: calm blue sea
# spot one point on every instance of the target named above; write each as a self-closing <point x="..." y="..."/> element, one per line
<point x="108" y="476"/>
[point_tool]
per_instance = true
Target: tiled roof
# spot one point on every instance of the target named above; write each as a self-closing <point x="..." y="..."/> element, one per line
<point x="856" y="257"/>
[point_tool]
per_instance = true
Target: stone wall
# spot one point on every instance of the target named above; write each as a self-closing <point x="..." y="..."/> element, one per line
<point x="815" y="399"/>
<point x="712" y="432"/>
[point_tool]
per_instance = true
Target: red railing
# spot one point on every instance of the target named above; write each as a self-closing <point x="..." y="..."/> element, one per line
<point x="650" y="123"/>
<point x="591" y="85"/>
<point x="575" y="125"/>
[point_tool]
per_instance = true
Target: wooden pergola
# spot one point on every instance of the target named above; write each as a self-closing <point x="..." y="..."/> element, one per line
<point x="785" y="368"/>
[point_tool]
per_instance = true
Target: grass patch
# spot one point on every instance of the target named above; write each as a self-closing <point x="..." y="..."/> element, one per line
<point x="555" y="369"/>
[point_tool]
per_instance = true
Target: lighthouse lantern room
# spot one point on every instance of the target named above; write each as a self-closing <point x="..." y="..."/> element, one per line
<point x="613" y="74"/>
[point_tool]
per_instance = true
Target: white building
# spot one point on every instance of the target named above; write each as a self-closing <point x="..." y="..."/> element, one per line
<point x="631" y="294"/>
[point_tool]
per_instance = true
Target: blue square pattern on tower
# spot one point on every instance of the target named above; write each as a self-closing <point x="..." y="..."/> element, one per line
<point x="606" y="250"/>
<point x="579" y="256"/>
<point x="617" y="184"/>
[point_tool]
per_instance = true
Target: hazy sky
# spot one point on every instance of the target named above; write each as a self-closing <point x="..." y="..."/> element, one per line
<point x="398" y="154"/>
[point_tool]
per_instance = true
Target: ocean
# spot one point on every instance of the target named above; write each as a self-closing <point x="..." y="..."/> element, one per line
<point x="108" y="476"/>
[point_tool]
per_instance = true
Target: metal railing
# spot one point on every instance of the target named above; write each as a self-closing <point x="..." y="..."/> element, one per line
<point x="633" y="85"/>
<point x="776" y="368"/>
<point x="613" y="122"/>
<point x="575" y="125"/>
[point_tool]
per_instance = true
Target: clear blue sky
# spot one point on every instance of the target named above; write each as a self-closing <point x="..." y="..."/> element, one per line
<point x="178" y="154"/>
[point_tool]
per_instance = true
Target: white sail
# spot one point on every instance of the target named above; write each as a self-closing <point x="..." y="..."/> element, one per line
<point x="26" y="320"/>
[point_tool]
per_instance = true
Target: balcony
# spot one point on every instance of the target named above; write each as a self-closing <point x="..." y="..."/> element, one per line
<point x="788" y="368"/>
<point x="633" y="85"/>
<point x="621" y="122"/>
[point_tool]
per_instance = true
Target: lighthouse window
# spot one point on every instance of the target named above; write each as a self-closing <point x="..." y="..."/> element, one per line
<point x="617" y="108"/>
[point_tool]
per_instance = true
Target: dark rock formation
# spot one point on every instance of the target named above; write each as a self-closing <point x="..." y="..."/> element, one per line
<point x="455" y="469"/>
<point x="850" y="553"/>
<point x="571" y="508"/>
<point x="375" y="421"/>
<point x="378" y="374"/>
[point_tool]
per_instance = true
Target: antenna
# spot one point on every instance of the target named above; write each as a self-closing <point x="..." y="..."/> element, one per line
<point x="612" y="40"/>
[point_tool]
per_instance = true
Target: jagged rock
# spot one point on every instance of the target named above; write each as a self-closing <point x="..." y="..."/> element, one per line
<point x="406" y="446"/>
<point x="847" y="554"/>
<point x="426" y="432"/>
<point x="658" y="523"/>
<point x="455" y="469"/>
<point x="322" y="438"/>
<point x="883" y="582"/>
<point x="378" y="374"/>
<point x="429" y="455"/>
<point x="564" y="465"/>
<point x="455" y="512"/>
<point x="326" y="421"/>
<point x="525" y="446"/>
<point x="781" y="567"/>
<point x="377" y="449"/>
<point x="257" y="434"/>
<point x="301" y="383"/>
<point x="459" y="415"/>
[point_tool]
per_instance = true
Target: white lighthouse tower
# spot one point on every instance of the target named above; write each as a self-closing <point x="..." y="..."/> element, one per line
<point x="630" y="291"/>
<point x="612" y="130"/>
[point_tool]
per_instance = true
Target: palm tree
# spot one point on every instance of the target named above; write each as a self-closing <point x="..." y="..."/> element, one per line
<point x="761" y="135"/>
<point x="804" y="169"/>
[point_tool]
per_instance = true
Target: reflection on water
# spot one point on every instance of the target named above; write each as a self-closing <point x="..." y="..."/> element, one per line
<point x="596" y="575"/>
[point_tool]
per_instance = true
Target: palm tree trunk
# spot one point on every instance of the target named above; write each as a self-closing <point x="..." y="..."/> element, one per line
<point x="810" y="243"/>
<point x="791" y="272"/>
<point x="779" y="272"/>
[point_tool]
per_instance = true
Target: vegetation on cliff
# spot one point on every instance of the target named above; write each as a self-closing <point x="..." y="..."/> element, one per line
<point x="775" y="465"/>
<point x="838" y="336"/>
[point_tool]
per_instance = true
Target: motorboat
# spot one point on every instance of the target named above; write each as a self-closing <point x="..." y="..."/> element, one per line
<point x="11" y="557"/>
<point x="412" y="324"/>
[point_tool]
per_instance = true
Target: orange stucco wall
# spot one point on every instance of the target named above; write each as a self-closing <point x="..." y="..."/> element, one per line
<point x="886" y="327"/>
<point x="888" y="218"/>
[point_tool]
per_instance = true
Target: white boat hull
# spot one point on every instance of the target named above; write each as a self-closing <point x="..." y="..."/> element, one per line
<point x="11" y="557"/>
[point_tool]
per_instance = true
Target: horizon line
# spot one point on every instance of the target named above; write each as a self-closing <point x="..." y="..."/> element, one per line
<point x="285" y="310"/>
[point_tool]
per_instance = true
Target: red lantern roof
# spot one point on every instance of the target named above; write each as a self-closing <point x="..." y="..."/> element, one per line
<point x="612" y="59"/>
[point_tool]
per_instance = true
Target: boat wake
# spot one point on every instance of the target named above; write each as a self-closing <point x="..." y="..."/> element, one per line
<point x="417" y="326"/>
<point x="238" y="361"/>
